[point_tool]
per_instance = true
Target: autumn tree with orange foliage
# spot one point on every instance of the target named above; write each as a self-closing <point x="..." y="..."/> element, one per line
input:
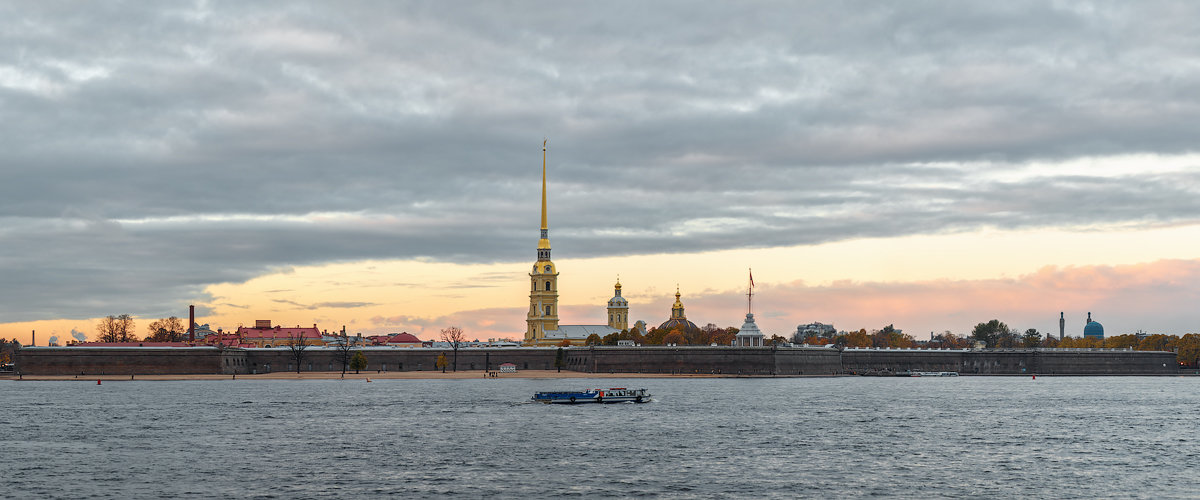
<point x="1189" y="350"/>
<point x="948" y="340"/>
<point x="1156" y="342"/>
<point x="1081" y="343"/>
<point x="675" y="337"/>
<point x="854" y="339"/>
<point x="1121" y="341"/>
<point x="889" y="337"/>
<point x="655" y="336"/>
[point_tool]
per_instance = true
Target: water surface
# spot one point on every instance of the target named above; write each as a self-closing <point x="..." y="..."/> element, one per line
<point x="1056" y="437"/>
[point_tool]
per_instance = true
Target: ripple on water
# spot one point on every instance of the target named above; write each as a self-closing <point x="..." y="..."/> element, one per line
<point x="782" y="438"/>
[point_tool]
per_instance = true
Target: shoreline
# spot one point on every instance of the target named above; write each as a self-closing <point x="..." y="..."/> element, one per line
<point x="406" y="375"/>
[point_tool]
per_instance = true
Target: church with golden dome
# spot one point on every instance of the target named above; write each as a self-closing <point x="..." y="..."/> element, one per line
<point x="679" y="319"/>
<point x="542" y="327"/>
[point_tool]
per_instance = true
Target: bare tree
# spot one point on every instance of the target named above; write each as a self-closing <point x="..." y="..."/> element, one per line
<point x="343" y="351"/>
<point x="166" y="330"/>
<point x="116" y="328"/>
<point x="453" y="335"/>
<point x="297" y="343"/>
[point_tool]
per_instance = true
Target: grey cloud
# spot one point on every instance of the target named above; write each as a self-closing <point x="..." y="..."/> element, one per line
<point x="151" y="152"/>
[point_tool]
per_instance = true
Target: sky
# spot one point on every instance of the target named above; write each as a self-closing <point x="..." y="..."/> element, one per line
<point x="376" y="165"/>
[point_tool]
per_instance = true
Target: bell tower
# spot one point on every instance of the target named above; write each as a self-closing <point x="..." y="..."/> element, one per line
<point x="618" y="309"/>
<point x="543" y="279"/>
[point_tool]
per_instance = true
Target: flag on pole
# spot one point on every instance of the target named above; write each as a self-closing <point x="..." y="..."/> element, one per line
<point x="751" y="278"/>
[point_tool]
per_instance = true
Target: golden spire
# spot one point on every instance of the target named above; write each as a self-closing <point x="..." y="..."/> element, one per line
<point x="545" y="226"/>
<point x="544" y="242"/>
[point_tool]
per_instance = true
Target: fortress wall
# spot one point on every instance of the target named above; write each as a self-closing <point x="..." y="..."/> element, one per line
<point x="393" y="359"/>
<point x="602" y="359"/>
<point x="807" y="361"/>
<point x="868" y="361"/>
<point x="723" y="360"/>
<point x="1011" y="361"/>
<point x="121" y="361"/>
<point x="1070" y="362"/>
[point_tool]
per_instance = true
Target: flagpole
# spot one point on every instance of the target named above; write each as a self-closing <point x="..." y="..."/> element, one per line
<point x="750" y="294"/>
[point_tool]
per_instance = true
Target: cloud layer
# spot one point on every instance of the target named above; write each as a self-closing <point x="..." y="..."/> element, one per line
<point x="147" y="153"/>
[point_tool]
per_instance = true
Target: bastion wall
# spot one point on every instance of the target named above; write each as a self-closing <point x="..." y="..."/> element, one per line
<point x="601" y="359"/>
<point x="127" y="360"/>
<point x="705" y="360"/>
<point x="1010" y="361"/>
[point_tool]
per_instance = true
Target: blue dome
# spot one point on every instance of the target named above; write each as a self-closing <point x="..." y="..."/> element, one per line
<point x="1093" y="330"/>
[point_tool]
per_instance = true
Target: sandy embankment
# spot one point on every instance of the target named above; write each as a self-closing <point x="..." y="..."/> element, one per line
<point x="414" y="375"/>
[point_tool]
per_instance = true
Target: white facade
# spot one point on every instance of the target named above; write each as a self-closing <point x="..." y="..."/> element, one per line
<point x="749" y="335"/>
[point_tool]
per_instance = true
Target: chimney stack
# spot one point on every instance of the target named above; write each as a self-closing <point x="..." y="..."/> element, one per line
<point x="191" y="323"/>
<point x="33" y="337"/>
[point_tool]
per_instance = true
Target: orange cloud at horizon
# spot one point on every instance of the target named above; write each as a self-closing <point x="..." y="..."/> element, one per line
<point x="1156" y="296"/>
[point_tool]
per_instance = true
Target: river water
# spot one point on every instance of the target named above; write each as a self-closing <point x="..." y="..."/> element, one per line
<point x="1054" y="437"/>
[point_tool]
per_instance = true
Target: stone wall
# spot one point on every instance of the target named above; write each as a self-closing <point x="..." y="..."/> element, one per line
<point x="123" y="361"/>
<point x="601" y="359"/>
<point x="394" y="359"/>
<point x="723" y="360"/>
<point x="1011" y="361"/>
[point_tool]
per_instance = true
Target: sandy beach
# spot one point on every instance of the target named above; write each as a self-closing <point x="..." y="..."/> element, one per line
<point x="414" y="375"/>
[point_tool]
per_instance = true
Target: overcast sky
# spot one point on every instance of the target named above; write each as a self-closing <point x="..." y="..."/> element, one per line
<point x="151" y="150"/>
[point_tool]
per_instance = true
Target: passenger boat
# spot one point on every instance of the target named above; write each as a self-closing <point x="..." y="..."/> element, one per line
<point x="610" y="395"/>
<point x="926" y="374"/>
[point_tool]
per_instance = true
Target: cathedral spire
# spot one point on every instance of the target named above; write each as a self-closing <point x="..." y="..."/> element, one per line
<point x="545" y="226"/>
<point x="544" y="242"/>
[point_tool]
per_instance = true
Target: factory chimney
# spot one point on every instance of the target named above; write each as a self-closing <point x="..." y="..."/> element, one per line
<point x="191" y="323"/>
<point x="1062" y="326"/>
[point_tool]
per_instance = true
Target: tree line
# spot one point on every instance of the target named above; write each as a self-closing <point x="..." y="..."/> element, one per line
<point x="706" y="335"/>
<point x="996" y="334"/>
<point x="121" y="329"/>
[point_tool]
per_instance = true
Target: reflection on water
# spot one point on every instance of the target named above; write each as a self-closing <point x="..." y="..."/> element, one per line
<point x="812" y="437"/>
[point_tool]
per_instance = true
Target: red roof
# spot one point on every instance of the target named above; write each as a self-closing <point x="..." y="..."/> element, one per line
<point x="403" y="338"/>
<point x="279" y="333"/>
<point x="130" y="344"/>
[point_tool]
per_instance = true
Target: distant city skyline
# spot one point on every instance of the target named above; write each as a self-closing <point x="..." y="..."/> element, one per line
<point x="377" y="166"/>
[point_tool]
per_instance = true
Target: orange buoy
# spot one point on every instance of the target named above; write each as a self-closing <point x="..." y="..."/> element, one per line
<point x="1035" y="377"/>
<point x="97" y="382"/>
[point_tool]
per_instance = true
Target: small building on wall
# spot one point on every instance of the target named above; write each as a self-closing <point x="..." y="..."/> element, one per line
<point x="265" y="335"/>
<point x="403" y="339"/>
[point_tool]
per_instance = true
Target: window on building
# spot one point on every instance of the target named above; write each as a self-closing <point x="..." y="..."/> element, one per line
<point x="547" y="286"/>
<point x="547" y="268"/>
<point x="547" y="310"/>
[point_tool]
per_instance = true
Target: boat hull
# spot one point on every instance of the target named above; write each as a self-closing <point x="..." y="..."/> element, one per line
<point x="593" y="396"/>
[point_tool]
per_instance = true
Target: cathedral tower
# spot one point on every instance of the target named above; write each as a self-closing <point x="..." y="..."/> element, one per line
<point x="618" y="309"/>
<point x="543" y="291"/>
